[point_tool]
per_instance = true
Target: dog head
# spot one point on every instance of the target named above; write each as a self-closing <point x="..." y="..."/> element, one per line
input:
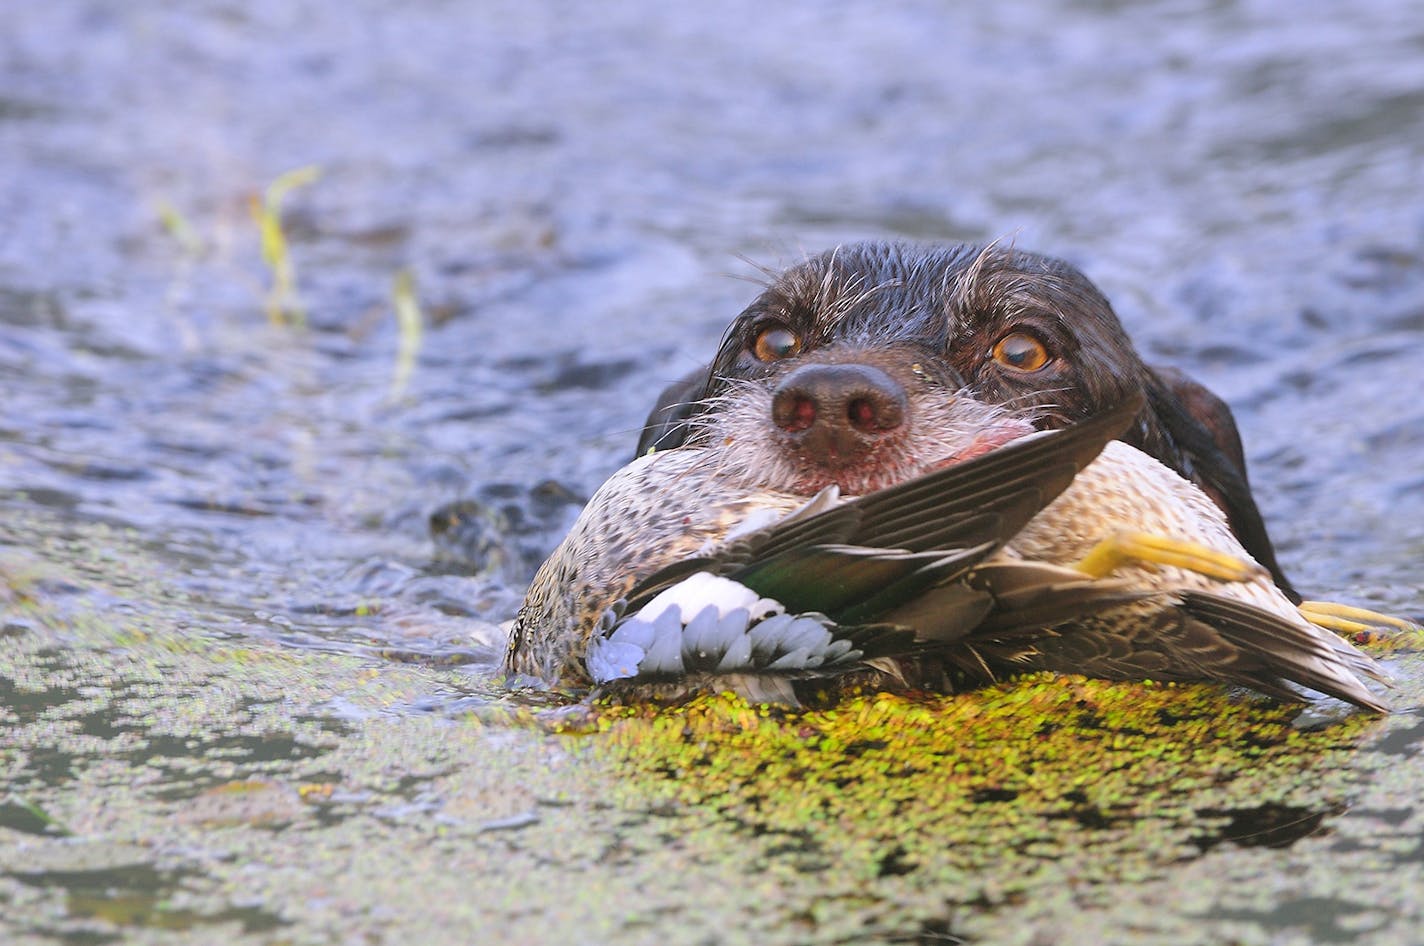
<point x="845" y="354"/>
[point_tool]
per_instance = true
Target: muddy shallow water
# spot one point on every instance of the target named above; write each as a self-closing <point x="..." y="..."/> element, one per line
<point x="252" y="579"/>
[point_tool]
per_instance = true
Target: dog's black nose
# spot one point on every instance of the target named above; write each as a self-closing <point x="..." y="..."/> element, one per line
<point x="836" y="413"/>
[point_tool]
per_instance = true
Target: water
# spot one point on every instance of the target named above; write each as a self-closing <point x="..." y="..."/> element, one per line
<point x="571" y="188"/>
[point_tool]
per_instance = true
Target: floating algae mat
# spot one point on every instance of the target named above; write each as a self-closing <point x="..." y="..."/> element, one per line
<point x="164" y="785"/>
<point x="993" y="793"/>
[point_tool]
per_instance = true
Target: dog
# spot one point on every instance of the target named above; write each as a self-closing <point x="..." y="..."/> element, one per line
<point x="1018" y="329"/>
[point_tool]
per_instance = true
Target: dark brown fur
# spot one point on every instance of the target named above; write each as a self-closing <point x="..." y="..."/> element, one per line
<point x="951" y="304"/>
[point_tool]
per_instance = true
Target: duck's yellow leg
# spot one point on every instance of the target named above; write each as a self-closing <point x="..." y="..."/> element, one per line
<point x="1138" y="547"/>
<point x="1345" y="619"/>
<point x="1145" y="547"/>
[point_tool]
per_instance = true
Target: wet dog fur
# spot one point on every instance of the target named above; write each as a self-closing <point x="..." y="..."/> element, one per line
<point x="1013" y="328"/>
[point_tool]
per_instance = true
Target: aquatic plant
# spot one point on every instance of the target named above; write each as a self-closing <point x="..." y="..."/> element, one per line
<point x="177" y="226"/>
<point x="409" y="322"/>
<point x="1018" y="772"/>
<point x="283" y="306"/>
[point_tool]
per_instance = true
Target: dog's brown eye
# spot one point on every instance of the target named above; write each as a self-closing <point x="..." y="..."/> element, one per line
<point x="1020" y="351"/>
<point x="775" y="342"/>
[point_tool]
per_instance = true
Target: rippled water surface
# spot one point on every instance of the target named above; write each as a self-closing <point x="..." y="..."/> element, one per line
<point x="579" y="193"/>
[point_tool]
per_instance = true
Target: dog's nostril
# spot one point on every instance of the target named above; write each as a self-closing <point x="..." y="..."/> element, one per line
<point x="798" y="414"/>
<point x="875" y="411"/>
<point x="861" y="413"/>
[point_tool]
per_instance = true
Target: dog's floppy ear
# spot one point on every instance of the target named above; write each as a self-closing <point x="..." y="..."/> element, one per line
<point x="1201" y="426"/>
<point x="666" y="426"/>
